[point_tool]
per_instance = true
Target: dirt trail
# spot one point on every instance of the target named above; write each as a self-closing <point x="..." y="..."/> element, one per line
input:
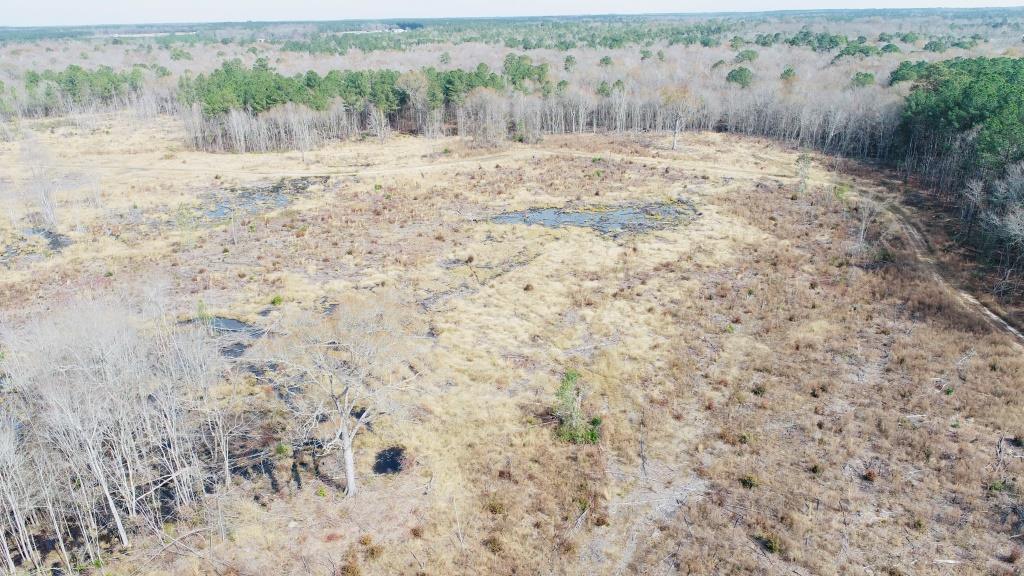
<point x="923" y="252"/>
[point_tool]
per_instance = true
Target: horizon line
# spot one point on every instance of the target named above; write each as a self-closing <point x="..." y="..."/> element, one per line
<point x="731" y="13"/>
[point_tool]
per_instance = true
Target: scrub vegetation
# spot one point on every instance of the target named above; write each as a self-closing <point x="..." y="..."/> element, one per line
<point x="596" y="295"/>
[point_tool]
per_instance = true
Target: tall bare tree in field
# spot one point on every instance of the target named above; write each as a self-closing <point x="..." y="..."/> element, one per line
<point x="349" y="366"/>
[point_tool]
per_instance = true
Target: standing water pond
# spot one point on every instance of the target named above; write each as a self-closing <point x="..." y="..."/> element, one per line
<point x="260" y="197"/>
<point x="607" y="220"/>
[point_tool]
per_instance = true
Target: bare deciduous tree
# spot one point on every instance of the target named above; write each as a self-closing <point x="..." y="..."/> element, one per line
<point x="348" y="366"/>
<point x="679" y="104"/>
<point x="378" y="123"/>
<point x="40" y="183"/>
<point x="425" y="117"/>
<point x="483" y="117"/>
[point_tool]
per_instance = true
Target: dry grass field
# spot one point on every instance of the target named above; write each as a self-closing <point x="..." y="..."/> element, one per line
<point x="784" y="381"/>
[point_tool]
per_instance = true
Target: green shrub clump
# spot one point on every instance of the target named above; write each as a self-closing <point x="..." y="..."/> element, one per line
<point x="573" y="426"/>
<point x="746" y="56"/>
<point x="862" y="79"/>
<point x="741" y="76"/>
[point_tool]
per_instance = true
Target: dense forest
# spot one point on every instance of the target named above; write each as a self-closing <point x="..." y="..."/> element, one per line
<point x="962" y="131"/>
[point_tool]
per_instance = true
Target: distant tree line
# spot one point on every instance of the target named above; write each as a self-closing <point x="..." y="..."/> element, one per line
<point x="260" y="88"/>
<point x="236" y="108"/>
<point x="257" y="109"/>
<point x="79" y="84"/>
<point x="569" y="35"/>
<point x="52" y="93"/>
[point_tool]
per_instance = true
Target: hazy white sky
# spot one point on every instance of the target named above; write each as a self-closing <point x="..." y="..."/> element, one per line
<point x="67" y="12"/>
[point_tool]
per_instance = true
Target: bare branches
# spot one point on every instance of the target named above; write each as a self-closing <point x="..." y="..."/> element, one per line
<point x="483" y="117"/>
<point x="103" y="427"/>
<point x="289" y="127"/>
<point x="347" y="367"/>
<point x="39" y="185"/>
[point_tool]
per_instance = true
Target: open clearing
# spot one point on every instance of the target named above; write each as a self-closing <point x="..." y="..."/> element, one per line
<point x="784" y="382"/>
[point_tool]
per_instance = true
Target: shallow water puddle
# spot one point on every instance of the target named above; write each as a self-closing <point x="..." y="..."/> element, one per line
<point x="610" y="220"/>
<point x="261" y="198"/>
<point x="223" y="324"/>
<point x="232" y="326"/>
<point x="262" y="369"/>
<point x="235" y="333"/>
<point x="55" y="242"/>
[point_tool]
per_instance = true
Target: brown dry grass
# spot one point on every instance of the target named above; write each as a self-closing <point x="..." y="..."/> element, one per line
<point x="775" y="399"/>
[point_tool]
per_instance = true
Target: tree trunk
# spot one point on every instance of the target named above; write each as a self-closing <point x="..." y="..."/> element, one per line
<point x="227" y="464"/>
<point x="7" y="553"/>
<point x="19" y="530"/>
<point x="350" y="468"/>
<point x="113" y="511"/>
<point x="59" y="532"/>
